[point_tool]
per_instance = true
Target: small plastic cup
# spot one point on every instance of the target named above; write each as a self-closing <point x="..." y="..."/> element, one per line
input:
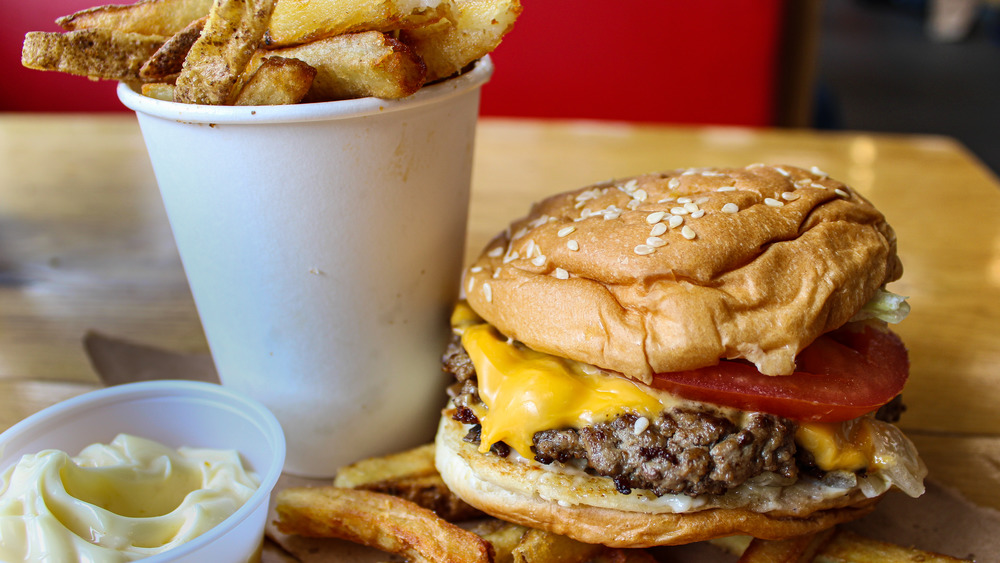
<point x="323" y="244"/>
<point x="174" y="413"/>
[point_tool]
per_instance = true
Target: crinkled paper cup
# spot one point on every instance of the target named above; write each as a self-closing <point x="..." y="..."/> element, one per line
<point x="323" y="245"/>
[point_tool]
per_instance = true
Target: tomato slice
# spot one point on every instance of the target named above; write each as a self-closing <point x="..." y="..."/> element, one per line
<point x="840" y="376"/>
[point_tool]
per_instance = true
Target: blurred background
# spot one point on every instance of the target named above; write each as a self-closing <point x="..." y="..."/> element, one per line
<point x="910" y="66"/>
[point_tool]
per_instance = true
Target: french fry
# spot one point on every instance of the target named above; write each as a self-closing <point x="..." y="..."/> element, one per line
<point x="539" y="546"/>
<point x="357" y="65"/>
<point x="168" y="60"/>
<point x="217" y="59"/>
<point x="848" y="547"/>
<point x="278" y="81"/>
<point x="97" y="53"/>
<point x="415" y="462"/>
<point x="503" y="536"/>
<point x="148" y="17"/>
<point x="159" y="90"/>
<point x="380" y="521"/>
<point x="802" y="549"/>
<point x="447" y="47"/>
<point x="624" y="556"/>
<point x="411" y="475"/>
<point x="301" y="21"/>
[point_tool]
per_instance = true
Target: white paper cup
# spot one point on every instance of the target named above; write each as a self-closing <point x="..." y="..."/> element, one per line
<point x="323" y="245"/>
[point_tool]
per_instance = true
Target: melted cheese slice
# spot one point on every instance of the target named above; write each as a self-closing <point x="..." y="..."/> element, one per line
<point x="526" y="391"/>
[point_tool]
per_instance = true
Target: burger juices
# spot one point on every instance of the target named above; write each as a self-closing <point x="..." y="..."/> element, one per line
<point x="674" y="357"/>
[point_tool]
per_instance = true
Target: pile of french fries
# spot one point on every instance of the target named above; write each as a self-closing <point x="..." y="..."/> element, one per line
<point x="272" y="52"/>
<point x="400" y="504"/>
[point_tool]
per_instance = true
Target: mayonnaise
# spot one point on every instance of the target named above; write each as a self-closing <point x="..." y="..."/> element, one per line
<point x="126" y="500"/>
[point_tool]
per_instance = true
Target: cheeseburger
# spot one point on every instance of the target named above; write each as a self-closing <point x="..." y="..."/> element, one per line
<point x="680" y="356"/>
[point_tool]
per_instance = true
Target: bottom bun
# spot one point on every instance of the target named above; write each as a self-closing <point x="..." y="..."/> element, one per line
<point x="474" y="477"/>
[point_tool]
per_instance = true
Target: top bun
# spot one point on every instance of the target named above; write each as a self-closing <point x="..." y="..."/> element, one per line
<point x="675" y="271"/>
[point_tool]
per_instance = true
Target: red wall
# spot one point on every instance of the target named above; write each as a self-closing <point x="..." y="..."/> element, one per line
<point x="678" y="61"/>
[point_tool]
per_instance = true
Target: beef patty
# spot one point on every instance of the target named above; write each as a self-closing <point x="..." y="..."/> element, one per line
<point x="682" y="451"/>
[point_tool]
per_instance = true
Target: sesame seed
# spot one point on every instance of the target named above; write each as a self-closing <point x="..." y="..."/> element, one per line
<point x="770" y="201"/>
<point x="496" y="252"/>
<point x="726" y="189"/>
<point x="496" y="273"/>
<point x="688" y="233"/>
<point x="632" y="204"/>
<point x="586" y="212"/>
<point x="630" y="186"/>
<point x="472" y="284"/>
<point x="539" y="260"/>
<point x="640" y="195"/>
<point x="683" y="200"/>
<point x="641" y="424"/>
<point x="675" y="221"/>
<point x="655" y="242"/>
<point x="679" y="211"/>
<point x="689" y="172"/>
<point x="476" y="269"/>
<point x="782" y="171"/>
<point x="711" y="173"/>
<point x="803" y="183"/>
<point x="562" y="274"/>
<point x="841" y="193"/>
<point x="666" y="200"/>
<point x="520" y="233"/>
<point x="730" y="208"/>
<point x="674" y="183"/>
<point x="565" y="231"/>
<point x="612" y="215"/>
<point x="691" y="206"/>
<point x="698" y="214"/>
<point x="643" y="249"/>
<point x="511" y="257"/>
<point x="756" y="165"/>
<point x="488" y="292"/>
<point x="815" y="170"/>
<point x="573" y="245"/>
<point x="790" y="196"/>
<point x="702" y="200"/>
<point x="658" y="229"/>
<point x="531" y="248"/>
<point x="817" y="186"/>
<point x="655" y="217"/>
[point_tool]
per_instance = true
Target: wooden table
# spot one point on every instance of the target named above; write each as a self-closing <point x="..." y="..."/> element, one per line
<point x="84" y="244"/>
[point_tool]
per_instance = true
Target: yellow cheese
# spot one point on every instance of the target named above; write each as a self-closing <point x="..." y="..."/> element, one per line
<point x="526" y="391"/>
<point x="843" y="445"/>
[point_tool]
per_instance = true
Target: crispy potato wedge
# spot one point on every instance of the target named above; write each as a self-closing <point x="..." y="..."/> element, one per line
<point x="416" y="462"/>
<point x="380" y="521"/>
<point x="848" y="547"/>
<point x="97" y="53"/>
<point x="148" y="17"/>
<point x="624" y="556"/>
<point x="278" y="81"/>
<point x="410" y="474"/>
<point x="478" y="26"/>
<point x="301" y="21"/>
<point x="802" y="549"/>
<point x="357" y="65"/>
<point x="159" y="90"/>
<point x="503" y="536"/>
<point x="217" y="59"/>
<point x="539" y="546"/>
<point x="168" y="60"/>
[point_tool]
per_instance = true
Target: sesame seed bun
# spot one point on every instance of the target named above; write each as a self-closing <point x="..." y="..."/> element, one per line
<point x="588" y="509"/>
<point x="686" y="268"/>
